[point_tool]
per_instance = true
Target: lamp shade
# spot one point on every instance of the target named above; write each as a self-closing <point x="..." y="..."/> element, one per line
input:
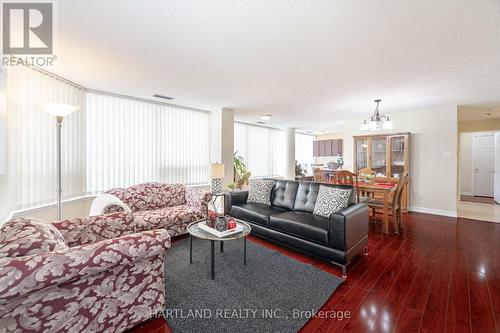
<point x="59" y="109"/>
<point x="388" y="125"/>
<point x="217" y="170"/>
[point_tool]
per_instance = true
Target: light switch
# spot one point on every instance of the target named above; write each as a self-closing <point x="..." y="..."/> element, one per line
<point x="446" y="154"/>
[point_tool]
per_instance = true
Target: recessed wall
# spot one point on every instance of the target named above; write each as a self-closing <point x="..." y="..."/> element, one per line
<point x="433" y="156"/>
<point x="328" y="136"/>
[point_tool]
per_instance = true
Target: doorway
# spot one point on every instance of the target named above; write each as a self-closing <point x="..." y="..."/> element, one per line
<point x="477" y="177"/>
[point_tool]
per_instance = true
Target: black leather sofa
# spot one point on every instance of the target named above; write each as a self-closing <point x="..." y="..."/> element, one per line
<point x="290" y="221"/>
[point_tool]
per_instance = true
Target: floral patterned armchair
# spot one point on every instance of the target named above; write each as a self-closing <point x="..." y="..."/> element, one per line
<point x="92" y="275"/>
<point x="163" y="206"/>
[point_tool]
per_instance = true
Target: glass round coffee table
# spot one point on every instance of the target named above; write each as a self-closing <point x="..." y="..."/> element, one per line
<point x="194" y="230"/>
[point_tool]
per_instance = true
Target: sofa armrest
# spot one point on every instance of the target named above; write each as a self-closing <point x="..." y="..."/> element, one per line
<point x="348" y="226"/>
<point x="22" y="275"/>
<point x="79" y="231"/>
<point x="197" y="198"/>
<point x="233" y="198"/>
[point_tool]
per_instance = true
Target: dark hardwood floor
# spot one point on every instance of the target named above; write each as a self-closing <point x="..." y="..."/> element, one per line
<point x="439" y="275"/>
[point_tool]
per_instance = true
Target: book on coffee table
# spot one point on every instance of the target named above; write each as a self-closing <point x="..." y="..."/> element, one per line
<point x="215" y="232"/>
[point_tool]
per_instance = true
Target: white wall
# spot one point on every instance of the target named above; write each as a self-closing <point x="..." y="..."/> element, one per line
<point x="227" y="145"/>
<point x="72" y="208"/>
<point x="433" y="160"/>
<point x="290" y="153"/>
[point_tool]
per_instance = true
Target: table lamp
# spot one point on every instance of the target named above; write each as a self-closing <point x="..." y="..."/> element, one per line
<point x="59" y="111"/>
<point x="216" y="173"/>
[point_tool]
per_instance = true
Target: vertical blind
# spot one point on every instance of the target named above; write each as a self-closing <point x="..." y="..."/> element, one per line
<point x="304" y="150"/>
<point x="262" y="148"/>
<point x="31" y="140"/>
<point x="109" y="142"/>
<point x="131" y="141"/>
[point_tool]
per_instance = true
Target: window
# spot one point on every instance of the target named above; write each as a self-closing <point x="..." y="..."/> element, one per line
<point x="304" y="151"/>
<point x="262" y="148"/>
<point x="30" y="178"/>
<point x="131" y="141"/>
<point x="109" y="142"/>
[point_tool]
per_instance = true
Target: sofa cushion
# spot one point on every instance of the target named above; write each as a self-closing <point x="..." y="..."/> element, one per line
<point x="307" y="193"/>
<point x="260" y="190"/>
<point x="304" y="225"/>
<point x="331" y="200"/>
<point x="174" y="219"/>
<point x="284" y="194"/>
<point x="21" y="237"/>
<point x="255" y="212"/>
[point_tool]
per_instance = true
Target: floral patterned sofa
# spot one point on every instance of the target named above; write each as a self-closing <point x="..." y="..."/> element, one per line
<point x="80" y="275"/>
<point x="162" y="206"/>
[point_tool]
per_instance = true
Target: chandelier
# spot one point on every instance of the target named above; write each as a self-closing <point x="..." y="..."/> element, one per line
<point x="377" y="121"/>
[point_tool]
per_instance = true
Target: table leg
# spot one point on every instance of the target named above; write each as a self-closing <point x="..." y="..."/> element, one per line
<point x="190" y="249"/>
<point x="244" y="251"/>
<point x="212" y="261"/>
<point x="385" y="217"/>
<point x="221" y="246"/>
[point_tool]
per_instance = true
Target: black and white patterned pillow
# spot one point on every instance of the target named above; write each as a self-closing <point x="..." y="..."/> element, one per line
<point x="260" y="191"/>
<point x="331" y="200"/>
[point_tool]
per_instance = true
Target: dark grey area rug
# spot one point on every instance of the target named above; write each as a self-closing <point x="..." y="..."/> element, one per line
<point x="266" y="295"/>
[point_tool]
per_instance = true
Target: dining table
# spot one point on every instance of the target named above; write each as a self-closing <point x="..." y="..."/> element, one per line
<point x="384" y="189"/>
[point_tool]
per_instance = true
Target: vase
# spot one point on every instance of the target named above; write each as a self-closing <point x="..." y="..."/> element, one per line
<point x="221" y="224"/>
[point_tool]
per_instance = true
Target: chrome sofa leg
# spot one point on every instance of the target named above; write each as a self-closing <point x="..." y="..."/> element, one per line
<point x="344" y="271"/>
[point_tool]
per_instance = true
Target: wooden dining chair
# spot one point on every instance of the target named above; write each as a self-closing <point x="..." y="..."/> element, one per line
<point x="394" y="205"/>
<point x="345" y="177"/>
<point x="318" y="175"/>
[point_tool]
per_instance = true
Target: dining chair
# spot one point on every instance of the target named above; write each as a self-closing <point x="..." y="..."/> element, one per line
<point x="345" y="177"/>
<point x="394" y="205"/>
<point x="318" y="175"/>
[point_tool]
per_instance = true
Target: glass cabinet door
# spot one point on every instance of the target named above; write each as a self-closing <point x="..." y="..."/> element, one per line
<point x="379" y="155"/>
<point x="361" y="154"/>
<point x="397" y="156"/>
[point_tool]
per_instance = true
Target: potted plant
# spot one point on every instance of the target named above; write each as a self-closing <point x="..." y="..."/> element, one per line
<point x="299" y="171"/>
<point x="241" y="174"/>
<point x="340" y="160"/>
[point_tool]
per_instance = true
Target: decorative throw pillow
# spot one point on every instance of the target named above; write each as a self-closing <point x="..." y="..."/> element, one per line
<point x="331" y="200"/>
<point x="22" y="237"/>
<point x="260" y="191"/>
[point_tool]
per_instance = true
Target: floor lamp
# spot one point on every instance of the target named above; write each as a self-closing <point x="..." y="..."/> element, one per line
<point x="59" y="111"/>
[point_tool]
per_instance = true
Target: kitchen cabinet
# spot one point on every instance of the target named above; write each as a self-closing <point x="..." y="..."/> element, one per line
<point x="327" y="147"/>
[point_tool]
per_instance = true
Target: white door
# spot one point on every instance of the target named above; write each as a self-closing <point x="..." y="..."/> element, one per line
<point x="484" y="164"/>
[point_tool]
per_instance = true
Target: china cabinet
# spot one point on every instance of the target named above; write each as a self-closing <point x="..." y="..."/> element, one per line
<point x="388" y="155"/>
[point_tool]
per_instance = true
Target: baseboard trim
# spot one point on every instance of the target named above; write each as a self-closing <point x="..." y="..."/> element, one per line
<point x="433" y="211"/>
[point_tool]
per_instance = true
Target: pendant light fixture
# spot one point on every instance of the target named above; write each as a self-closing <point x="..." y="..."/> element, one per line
<point x="377" y="121"/>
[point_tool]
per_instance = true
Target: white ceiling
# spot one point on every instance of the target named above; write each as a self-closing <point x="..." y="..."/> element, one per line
<point x="470" y="113"/>
<point x="309" y="63"/>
